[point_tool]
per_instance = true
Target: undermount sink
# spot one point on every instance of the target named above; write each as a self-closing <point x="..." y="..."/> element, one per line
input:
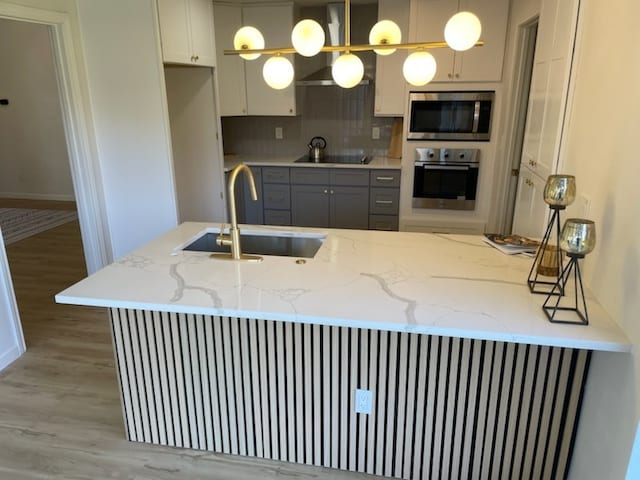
<point x="283" y="244"/>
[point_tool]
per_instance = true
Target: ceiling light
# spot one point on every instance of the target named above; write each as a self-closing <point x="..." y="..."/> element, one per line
<point x="462" y="31"/>
<point x="248" y="38"/>
<point x="347" y="70"/>
<point x="419" y="68"/>
<point x="385" y="32"/>
<point x="278" y="72"/>
<point x="307" y="37"/>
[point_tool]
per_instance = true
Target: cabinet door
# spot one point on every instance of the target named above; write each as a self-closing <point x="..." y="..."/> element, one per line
<point x="252" y="209"/>
<point x="310" y="205"/>
<point x="275" y="22"/>
<point x="202" y="36"/>
<point x="349" y="207"/>
<point x="230" y="68"/>
<point x="174" y="31"/>
<point x="530" y="213"/>
<point x="427" y="21"/>
<point x="484" y="64"/>
<point x="390" y="90"/>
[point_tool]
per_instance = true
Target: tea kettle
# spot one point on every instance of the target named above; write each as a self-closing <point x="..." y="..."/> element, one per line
<point x="316" y="148"/>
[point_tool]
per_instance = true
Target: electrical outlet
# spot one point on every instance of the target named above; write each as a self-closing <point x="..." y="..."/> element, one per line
<point x="364" y="399"/>
<point x="279" y="135"/>
<point x="375" y="133"/>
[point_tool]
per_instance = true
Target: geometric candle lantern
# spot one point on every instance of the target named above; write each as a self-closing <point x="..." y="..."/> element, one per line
<point x="578" y="238"/>
<point x="559" y="192"/>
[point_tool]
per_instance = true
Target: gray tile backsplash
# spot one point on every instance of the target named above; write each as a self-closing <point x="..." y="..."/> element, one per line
<point x="344" y="117"/>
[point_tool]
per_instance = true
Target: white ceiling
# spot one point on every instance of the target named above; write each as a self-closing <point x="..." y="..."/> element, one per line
<point x="306" y="3"/>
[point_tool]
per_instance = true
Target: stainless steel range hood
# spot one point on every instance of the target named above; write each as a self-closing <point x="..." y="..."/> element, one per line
<point x="334" y="35"/>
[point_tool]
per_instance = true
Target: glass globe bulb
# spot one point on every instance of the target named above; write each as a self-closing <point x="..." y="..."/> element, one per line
<point x="307" y="37"/>
<point x="462" y="31"/>
<point x="347" y="70"/>
<point x="248" y="38"/>
<point x="278" y="72"/>
<point x="385" y="32"/>
<point x="419" y="68"/>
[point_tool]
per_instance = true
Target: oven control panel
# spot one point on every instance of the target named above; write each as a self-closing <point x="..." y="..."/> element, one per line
<point x="447" y="155"/>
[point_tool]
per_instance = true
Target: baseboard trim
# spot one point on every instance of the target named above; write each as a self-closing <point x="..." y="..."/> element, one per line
<point x="39" y="196"/>
<point x="9" y="357"/>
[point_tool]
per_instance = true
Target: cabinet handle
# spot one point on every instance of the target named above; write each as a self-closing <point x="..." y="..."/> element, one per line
<point x="457" y="75"/>
<point x="331" y="192"/>
<point x="197" y="58"/>
<point x="449" y="75"/>
<point x="325" y="191"/>
<point x="384" y="202"/>
<point x="384" y="179"/>
<point x="291" y="110"/>
<point x="533" y="163"/>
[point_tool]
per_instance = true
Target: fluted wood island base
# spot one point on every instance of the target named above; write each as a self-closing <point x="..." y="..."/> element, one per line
<point x="467" y="377"/>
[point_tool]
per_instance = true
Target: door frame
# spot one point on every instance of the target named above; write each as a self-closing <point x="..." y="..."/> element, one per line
<point x="81" y="145"/>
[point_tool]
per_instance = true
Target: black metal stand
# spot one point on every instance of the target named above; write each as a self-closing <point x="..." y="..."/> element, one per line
<point x="583" y="316"/>
<point x="536" y="285"/>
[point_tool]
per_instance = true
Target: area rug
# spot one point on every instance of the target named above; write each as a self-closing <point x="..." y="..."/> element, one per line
<point x="20" y="223"/>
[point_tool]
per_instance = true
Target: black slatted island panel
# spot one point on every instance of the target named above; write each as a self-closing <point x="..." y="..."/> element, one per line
<point x="442" y="407"/>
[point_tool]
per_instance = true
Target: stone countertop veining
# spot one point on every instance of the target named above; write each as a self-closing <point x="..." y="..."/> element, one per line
<point x="377" y="162"/>
<point x="450" y="285"/>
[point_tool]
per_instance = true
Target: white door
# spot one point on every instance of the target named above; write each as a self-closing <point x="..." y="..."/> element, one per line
<point x="11" y="338"/>
<point x="547" y="102"/>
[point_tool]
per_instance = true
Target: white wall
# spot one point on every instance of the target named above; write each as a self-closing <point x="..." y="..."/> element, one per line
<point x="33" y="158"/>
<point x="127" y="94"/>
<point x="601" y="150"/>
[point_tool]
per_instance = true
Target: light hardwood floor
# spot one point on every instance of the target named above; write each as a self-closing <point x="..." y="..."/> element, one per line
<point x="60" y="413"/>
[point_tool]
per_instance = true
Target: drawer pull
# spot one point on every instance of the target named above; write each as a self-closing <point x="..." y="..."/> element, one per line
<point x="384" y="202"/>
<point x="385" y="179"/>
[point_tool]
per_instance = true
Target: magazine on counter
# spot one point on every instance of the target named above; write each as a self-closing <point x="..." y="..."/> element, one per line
<point x="511" y="244"/>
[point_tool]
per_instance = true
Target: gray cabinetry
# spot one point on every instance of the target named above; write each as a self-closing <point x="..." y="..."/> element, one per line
<point x="277" y="195"/>
<point x="248" y="211"/>
<point x="384" y="199"/>
<point x="337" y="198"/>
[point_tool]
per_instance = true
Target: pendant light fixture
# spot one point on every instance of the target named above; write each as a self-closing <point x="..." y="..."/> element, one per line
<point x="461" y="33"/>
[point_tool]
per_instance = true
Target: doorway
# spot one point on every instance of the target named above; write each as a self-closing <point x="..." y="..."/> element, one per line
<point x="528" y="33"/>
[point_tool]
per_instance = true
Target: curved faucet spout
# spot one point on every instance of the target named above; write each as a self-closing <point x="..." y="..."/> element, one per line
<point x="233" y="239"/>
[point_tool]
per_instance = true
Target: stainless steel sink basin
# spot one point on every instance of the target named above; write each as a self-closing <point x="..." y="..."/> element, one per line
<point x="284" y="244"/>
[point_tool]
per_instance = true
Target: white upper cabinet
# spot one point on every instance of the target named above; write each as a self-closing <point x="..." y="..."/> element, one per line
<point x="480" y="64"/>
<point x="390" y="95"/>
<point x="230" y="72"/>
<point x="186" y="32"/>
<point x="242" y="89"/>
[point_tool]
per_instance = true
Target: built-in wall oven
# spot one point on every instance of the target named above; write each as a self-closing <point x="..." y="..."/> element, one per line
<point x="446" y="178"/>
<point x="459" y="116"/>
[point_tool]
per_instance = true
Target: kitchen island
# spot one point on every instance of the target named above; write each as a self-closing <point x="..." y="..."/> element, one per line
<point x="465" y="374"/>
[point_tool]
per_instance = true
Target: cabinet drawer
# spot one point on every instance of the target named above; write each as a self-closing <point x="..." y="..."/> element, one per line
<point x="384" y="201"/>
<point x="383" y="222"/>
<point x="310" y="176"/>
<point x="276" y="196"/>
<point x="277" y="217"/>
<point x="384" y="178"/>
<point x="346" y="176"/>
<point x="275" y="175"/>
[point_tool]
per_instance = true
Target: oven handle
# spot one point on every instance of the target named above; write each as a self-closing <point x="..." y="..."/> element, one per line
<point x="445" y="167"/>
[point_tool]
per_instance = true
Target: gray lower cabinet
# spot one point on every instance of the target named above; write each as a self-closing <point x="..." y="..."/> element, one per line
<point x="336" y="198"/>
<point x="384" y="199"/>
<point x="277" y="195"/>
<point x="248" y="211"/>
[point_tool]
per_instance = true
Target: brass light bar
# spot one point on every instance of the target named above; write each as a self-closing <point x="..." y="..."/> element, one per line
<point x="352" y="48"/>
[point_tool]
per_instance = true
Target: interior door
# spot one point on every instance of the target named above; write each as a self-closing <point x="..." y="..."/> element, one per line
<point x="547" y="100"/>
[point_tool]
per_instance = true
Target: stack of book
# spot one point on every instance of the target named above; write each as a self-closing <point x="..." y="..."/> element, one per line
<point x="512" y="244"/>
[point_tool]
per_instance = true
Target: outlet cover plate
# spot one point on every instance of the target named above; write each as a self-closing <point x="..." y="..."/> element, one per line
<point x="364" y="399"/>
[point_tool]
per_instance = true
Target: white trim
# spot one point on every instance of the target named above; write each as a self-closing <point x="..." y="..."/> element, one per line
<point x="39" y="196"/>
<point x="79" y="131"/>
<point x="10" y="306"/>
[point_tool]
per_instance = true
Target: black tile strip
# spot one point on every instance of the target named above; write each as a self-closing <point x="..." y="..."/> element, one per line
<point x="492" y="449"/>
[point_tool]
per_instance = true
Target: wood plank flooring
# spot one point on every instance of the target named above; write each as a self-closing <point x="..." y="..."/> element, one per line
<point x="60" y="414"/>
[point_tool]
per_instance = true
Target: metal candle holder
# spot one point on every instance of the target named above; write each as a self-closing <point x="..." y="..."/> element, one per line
<point x="559" y="192"/>
<point x="578" y="238"/>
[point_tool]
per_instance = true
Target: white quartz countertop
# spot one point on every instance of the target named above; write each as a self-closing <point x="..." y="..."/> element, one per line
<point x="450" y="285"/>
<point x="377" y="162"/>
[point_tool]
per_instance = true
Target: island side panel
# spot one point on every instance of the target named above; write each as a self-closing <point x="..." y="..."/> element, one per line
<point x="442" y="407"/>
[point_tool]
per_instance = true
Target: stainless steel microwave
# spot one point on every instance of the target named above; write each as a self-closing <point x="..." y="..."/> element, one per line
<point x="450" y="115"/>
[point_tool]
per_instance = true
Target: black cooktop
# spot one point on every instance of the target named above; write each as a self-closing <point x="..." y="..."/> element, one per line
<point x="350" y="159"/>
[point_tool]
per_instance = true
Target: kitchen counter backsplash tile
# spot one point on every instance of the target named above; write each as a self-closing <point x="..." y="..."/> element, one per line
<point x="344" y="117"/>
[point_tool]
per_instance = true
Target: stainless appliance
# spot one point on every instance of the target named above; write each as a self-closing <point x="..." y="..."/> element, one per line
<point x="450" y="115"/>
<point x="349" y="159"/>
<point x="446" y="178"/>
<point x="316" y="148"/>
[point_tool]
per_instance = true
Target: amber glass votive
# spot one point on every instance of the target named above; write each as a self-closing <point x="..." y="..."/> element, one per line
<point x="548" y="264"/>
<point x="560" y="190"/>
